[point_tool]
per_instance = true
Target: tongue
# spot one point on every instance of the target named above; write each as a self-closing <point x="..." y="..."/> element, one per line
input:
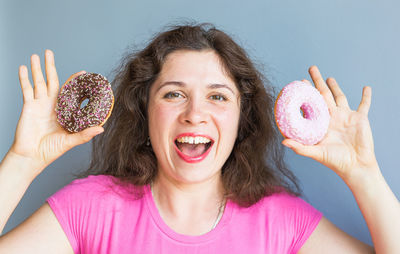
<point x="192" y="150"/>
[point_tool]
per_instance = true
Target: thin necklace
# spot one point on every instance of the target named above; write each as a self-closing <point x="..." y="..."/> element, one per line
<point x="220" y="209"/>
<point x="220" y="212"/>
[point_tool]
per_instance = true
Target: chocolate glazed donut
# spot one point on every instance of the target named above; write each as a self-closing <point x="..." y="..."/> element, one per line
<point x="92" y="86"/>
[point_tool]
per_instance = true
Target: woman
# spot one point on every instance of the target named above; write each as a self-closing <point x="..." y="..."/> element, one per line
<point x="189" y="162"/>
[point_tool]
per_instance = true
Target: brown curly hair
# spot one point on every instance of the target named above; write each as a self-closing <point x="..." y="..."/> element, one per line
<point x="256" y="166"/>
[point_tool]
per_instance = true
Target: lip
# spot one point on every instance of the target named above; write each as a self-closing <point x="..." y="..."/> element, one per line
<point x="189" y="159"/>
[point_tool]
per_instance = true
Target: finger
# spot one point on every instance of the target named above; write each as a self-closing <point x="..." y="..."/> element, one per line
<point x="365" y="100"/>
<point x="304" y="150"/>
<point x="37" y="76"/>
<point x="338" y="95"/>
<point x="51" y="74"/>
<point x="74" y="76"/>
<point x="26" y="87"/>
<point x="82" y="137"/>
<point x="321" y="86"/>
<point x="306" y="81"/>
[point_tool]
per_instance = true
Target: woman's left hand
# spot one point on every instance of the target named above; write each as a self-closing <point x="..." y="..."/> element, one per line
<point x="348" y="147"/>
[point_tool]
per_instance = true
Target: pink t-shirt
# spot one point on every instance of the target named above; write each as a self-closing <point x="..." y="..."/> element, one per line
<point x="100" y="217"/>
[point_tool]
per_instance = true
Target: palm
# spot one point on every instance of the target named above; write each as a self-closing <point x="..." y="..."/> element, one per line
<point x="38" y="117"/>
<point x="39" y="138"/>
<point x="348" y="142"/>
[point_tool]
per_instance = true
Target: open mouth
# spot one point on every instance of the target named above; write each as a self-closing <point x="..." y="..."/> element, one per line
<point x="193" y="148"/>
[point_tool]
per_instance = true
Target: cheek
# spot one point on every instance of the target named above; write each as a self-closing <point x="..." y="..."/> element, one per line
<point x="228" y="121"/>
<point x="160" y="117"/>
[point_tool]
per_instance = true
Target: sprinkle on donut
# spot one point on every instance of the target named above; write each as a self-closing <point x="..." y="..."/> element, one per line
<point x="301" y="113"/>
<point x="92" y="86"/>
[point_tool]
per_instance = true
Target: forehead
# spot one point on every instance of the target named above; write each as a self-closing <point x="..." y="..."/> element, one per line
<point x="193" y="67"/>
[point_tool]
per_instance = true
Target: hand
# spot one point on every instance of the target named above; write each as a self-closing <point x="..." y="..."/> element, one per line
<point x="348" y="147"/>
<point x="38" y="137"/>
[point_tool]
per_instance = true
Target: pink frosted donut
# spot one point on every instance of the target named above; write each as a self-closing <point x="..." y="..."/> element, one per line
<point x="301" y="113"/>
<point x="92" y="86"/>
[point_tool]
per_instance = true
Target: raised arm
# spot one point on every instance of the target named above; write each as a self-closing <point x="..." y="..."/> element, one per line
<point x="39" y="140"/>
<point x="348" y="150"/>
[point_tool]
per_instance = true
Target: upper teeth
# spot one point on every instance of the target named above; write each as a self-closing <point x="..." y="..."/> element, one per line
<point x="193" y="140"/>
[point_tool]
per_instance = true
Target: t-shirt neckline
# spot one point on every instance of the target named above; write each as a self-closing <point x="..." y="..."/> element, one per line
<point x="165" y="229"/>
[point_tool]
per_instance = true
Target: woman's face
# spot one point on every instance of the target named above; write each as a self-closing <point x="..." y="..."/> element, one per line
<point x="194" y="110"/>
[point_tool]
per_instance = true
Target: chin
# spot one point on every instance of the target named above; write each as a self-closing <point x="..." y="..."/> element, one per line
<point x="193" y="174"/>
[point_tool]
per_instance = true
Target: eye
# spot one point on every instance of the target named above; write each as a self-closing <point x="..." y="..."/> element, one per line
<point x="218" y="97"/>
<point x="172" y="95"/>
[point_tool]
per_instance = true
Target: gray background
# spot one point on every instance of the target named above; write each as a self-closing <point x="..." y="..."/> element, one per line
<point x="354" y="41"/>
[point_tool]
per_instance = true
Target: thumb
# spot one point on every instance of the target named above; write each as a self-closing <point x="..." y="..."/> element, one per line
<point x="84" y="136"/>
<point x="305" y="150"/>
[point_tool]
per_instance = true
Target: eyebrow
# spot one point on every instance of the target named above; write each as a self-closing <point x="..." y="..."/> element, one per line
<point x="182" y="84"/>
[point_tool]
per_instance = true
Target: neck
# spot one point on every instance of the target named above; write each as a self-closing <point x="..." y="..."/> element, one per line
<point x="183" y="204"/>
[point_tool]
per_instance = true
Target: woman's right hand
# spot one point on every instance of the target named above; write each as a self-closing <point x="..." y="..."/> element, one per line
<point x="39" y="138"/>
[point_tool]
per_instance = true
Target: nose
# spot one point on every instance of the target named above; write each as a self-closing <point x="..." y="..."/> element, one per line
<point x="194" y="113"/>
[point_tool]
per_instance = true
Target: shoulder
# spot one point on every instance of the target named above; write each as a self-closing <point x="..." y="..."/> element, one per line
<point x="94" y="189"/>
<point x="290" y="217"/>
<point x="284" y="220"/>
<point x="283" y="201"/>
<point x="288" y="209"/>
<point x="90" y="185"/>
<point x="89" y="209"/>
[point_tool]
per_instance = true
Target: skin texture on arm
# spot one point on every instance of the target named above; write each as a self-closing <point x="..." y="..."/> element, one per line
<point x="348" y="150"/>
<point x="15" y="178"/>
<point x="327" y="238"/>
<point x="40" y="233"/>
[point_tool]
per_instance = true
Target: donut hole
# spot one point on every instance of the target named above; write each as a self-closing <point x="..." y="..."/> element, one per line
<point x="84" y="102"/>
<point x="302" y="113"/>
<point x="307" y="111"/>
